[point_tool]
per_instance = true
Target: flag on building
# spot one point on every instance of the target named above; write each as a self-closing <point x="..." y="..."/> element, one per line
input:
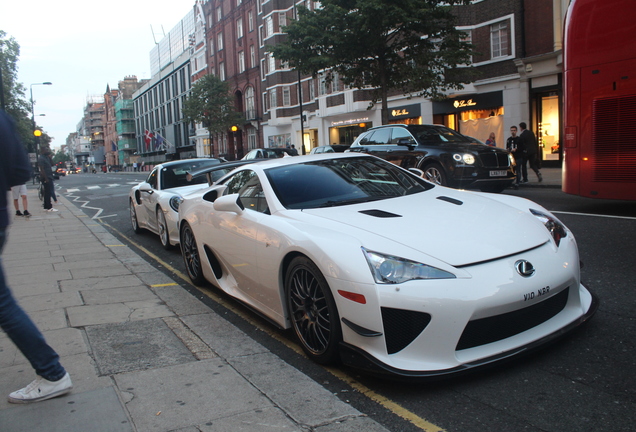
<point x="159" y="142"/>
<point x="148" y="139"/>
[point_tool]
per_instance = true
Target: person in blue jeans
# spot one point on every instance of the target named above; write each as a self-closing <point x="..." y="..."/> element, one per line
<point x="52" y="380"/>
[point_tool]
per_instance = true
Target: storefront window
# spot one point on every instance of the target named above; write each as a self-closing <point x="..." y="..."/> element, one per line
<point x="548" y="127"/>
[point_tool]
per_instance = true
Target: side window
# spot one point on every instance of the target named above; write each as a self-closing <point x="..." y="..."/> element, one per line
<point x="248" y="186"/>
<point x="379" y="137"/>
<point x="152" y="179"/>
<point x="401" y="136"/>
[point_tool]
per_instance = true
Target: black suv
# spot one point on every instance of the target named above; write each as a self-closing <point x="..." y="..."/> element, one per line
<point x="446" y="157"/>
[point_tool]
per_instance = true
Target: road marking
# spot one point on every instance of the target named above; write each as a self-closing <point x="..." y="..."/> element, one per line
<point x="93" y="187"/>
<point x="71" y="190"/>
<point x="164" y="285"/>
<point x="395" y="408"/>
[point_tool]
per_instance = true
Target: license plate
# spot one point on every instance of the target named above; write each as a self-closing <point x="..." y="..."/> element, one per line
<point x="498" y="173"/>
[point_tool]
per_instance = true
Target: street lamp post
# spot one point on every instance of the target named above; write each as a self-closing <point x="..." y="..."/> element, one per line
<point x="37" y="141"/>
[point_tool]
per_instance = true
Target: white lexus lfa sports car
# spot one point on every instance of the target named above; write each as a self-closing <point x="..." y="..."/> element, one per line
<point x="154" y="203"/>
<point x="376" y="267"/>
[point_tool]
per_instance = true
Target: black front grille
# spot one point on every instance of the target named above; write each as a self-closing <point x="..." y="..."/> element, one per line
<point x="495" y="160"/>
<point x="401" y="327"/>
<point x="492" y="329"/>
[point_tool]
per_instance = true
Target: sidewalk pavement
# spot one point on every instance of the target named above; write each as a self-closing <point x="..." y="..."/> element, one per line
<point x="143" y="353"/>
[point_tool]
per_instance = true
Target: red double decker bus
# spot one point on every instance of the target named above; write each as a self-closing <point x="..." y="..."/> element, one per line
<point x="599" y="62"/>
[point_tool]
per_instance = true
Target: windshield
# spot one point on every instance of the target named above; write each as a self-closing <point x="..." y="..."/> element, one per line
<point x="338" y="182"/>
<point x="175" y="175"/>
<point x="436" y="135"/>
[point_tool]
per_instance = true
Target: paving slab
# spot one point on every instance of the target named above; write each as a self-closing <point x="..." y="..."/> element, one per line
<point x="134" y="346"/>
<point x="190" y="394"/>
<point x="95" y="411"/>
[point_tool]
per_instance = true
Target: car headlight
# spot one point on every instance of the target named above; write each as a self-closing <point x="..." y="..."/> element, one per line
<point x="387" y="269"/>
<point x="556" y="228"/>
<point x="466" y="158"/>
<point x="175" y="202"/>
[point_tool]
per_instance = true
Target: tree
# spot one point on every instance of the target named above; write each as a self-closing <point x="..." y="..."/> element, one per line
<point x="211" y="104"/>
<point x="13" y="92"/>
<point x="411" y="45"/>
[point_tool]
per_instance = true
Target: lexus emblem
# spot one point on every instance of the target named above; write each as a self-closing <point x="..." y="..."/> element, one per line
<point x="524" y="268"/>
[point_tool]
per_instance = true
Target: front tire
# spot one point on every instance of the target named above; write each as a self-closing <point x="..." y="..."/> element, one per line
<point x="434" y="173"/>
<point x="164" y="232"/>
<point x="133" y="218"/>
<point x="190" y="253"/>
<point x="313" y="311"/>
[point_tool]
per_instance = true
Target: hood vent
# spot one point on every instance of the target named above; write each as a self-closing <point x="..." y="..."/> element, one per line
<point x="450" y="200"/>
<point x="379" y="213"/>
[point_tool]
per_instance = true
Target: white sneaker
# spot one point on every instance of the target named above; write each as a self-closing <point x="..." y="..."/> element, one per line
<point x="41" y="389"/>
<point x="51" y="210"/>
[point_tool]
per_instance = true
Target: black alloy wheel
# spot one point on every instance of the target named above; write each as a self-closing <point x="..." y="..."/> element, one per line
<point x="313" y="311"/>
<point x="190" y="254"/>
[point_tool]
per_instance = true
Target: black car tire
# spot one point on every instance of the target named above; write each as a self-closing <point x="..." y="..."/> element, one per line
<point x="162" y="227"/>
<point x="435" y="173"/>
<point x="190" y="254"/>
<point x="133" y="218"/>
<point x="313" y="311"/>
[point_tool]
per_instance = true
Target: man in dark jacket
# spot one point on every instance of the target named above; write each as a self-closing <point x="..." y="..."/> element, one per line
<point x="52" y="380"/>
<point x="46" y="176"/>
<point x="532" y="151"/>
<point x="515" y="146"/>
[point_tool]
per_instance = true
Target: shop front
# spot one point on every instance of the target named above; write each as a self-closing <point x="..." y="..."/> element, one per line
<point x="346" y="131"/>
<point x="546" y="124"/>
<point x="406" y="114"/>
<point x="475" y="115"/>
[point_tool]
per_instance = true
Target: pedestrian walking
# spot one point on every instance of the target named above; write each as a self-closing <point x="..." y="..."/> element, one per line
<point x="516" y="147"/>
<point x="17" y="192"/>
<point x="491" y="141"/>
<point x="46" y="177"/>
<point x="532" y="151"/>
<point x="52" y="380"/>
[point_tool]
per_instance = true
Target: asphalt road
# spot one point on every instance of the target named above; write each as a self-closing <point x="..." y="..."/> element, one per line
<point x="586" y="382"/>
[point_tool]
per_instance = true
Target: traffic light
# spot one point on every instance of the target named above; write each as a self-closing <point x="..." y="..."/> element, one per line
<point x="37" y="133"/>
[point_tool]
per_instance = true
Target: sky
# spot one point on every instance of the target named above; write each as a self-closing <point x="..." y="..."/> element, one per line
<point x="81" y="46"/>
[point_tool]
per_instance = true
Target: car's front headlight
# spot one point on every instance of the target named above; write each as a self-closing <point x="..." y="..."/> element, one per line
<point x="175" y="202"/>
<point x="556" y="228"/>
<point x="387" y="269"/>
<point x="466" y="158"/>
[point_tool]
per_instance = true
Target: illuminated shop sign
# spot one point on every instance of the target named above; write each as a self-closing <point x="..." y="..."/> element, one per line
<point x="349" y="122"/>
<point x="469" y="102"/>
<point x="405" y="111"/>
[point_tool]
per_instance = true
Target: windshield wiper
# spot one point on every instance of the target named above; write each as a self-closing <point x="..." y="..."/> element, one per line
<point x="352" y="201"/>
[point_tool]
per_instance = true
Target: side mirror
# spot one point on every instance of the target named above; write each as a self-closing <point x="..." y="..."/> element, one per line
<point x="229" y="203"/>
<point x="418" y="172"/>
<point x="146" y="188"/>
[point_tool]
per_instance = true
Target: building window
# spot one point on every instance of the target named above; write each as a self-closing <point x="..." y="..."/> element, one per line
<point x="271" y="63"/>
<point x="273" y="103"/>
<point x="219" y="14"/>
<point x="251" y="138"/>
<point x="269" y="26"/>
<point x="282" y="20"/>
<point x="241" y="61"/>
<point x="335" y="83"/>
<point x="286" y="96"/>
<point x="499" y="39"/>
<point x="219" y="41"/>
<point x="250" y="103"/>
<point x="322" y="85"/>
<point x="238" y="2"/>
<point x="239" y="28"/>
<point x="222" y="71"/>
<point x="252" y="56"/>
<point x="250" y="21"/>
<point x="312" y="90"/>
